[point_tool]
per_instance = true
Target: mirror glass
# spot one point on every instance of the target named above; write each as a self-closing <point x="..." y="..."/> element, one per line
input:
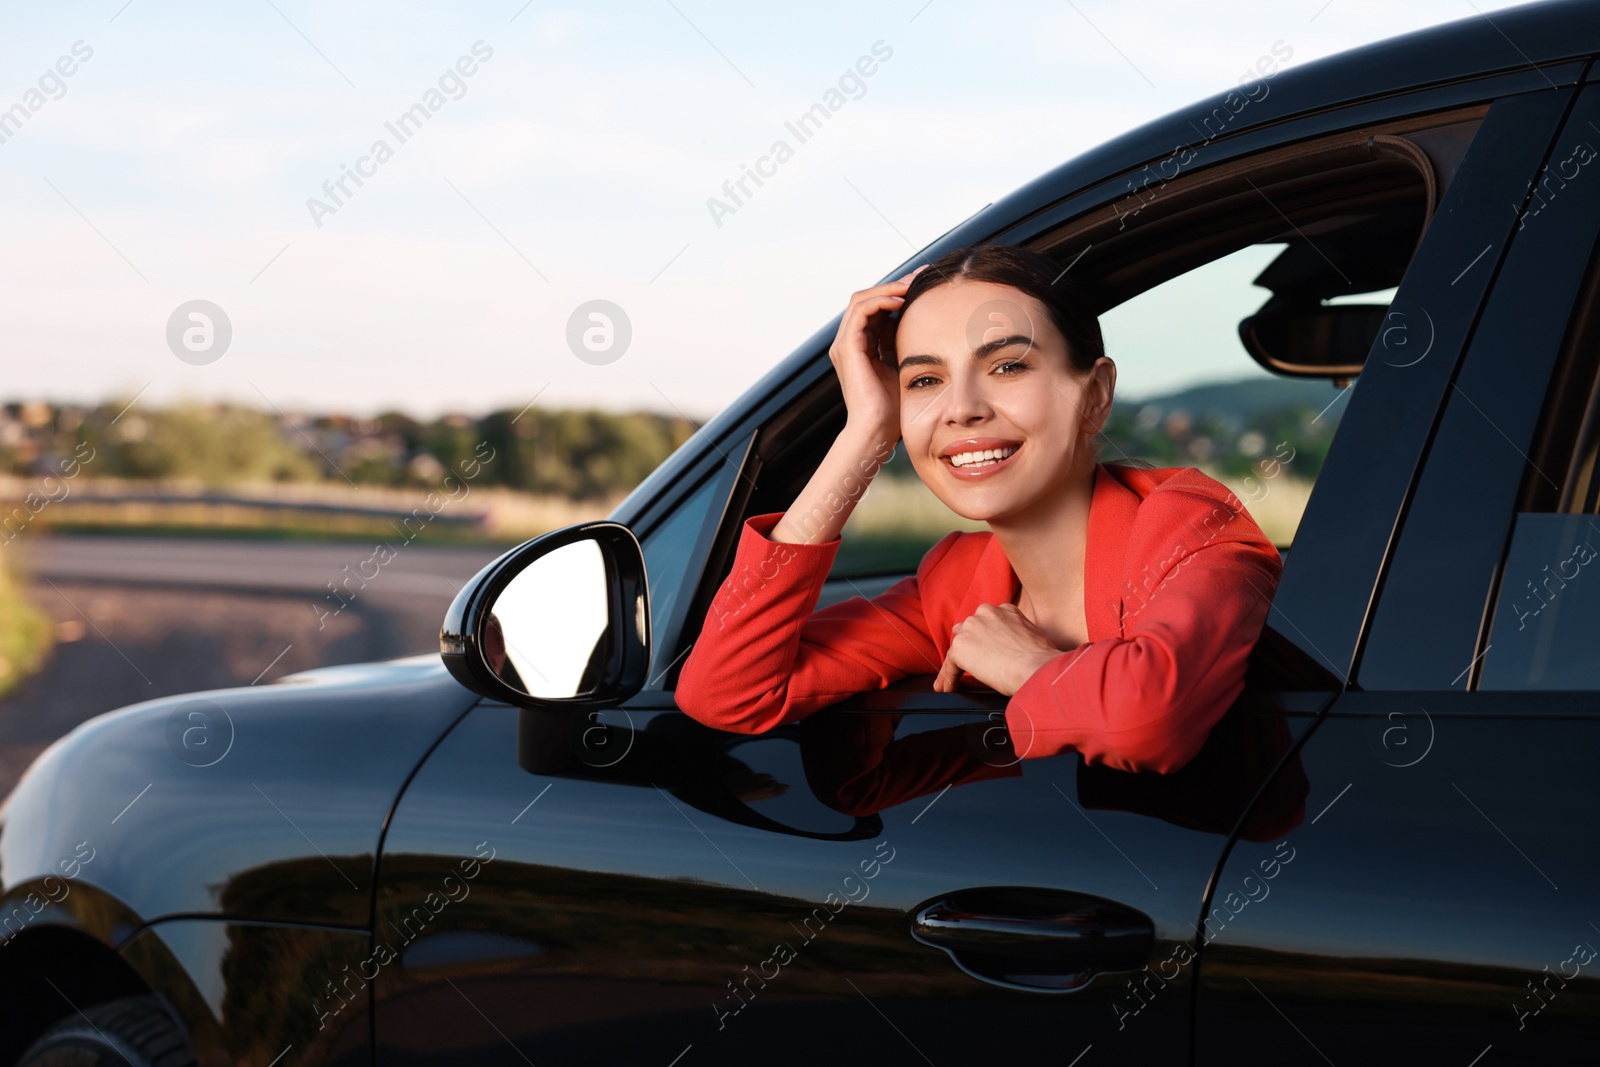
<point x="547" y="632"/>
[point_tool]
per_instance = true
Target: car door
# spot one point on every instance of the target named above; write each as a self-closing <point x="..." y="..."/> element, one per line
<point x="1440" y="905"/>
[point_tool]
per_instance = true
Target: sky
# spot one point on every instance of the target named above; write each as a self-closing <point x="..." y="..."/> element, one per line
<point x="568" y="156"/>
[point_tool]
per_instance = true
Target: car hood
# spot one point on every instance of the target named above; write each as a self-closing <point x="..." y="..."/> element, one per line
<point x="260" y="802"/>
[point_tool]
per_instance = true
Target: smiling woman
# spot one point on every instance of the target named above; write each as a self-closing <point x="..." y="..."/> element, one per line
<point x="1116" y="606"/>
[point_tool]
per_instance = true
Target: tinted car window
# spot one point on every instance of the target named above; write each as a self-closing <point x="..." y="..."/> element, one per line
<point x="668" y="550"/>
<point x="1548" y="614"/>
<point x="1547" y="609"/>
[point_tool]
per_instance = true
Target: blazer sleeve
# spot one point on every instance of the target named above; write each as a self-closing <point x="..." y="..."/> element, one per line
<point x="765" y="657"/>
<point x="1146" y="700"/>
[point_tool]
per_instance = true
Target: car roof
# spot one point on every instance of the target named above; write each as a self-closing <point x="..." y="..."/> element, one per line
<point x="1517" y="39"/>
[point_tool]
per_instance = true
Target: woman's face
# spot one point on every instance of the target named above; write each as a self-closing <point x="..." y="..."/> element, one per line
<point x="984" y="369"/>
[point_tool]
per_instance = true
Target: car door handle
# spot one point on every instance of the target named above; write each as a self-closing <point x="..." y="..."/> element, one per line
<point x="1034" y="939"/>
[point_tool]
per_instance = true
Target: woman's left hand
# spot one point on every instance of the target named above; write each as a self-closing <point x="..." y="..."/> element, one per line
<point x="999" y="646"/>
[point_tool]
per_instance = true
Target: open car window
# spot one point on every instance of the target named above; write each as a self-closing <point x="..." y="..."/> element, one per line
<point x="1239" y="302"/>
<point x="1239" y="312"/>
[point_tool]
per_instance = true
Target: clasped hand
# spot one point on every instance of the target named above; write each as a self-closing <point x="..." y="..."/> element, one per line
<point x="999" y="646"/>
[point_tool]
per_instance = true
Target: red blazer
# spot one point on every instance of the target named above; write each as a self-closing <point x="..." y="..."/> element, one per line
<point x="1177" y="583"/>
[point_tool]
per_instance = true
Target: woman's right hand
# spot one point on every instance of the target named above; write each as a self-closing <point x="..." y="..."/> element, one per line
<point x="871" y="386"/>
<point x="870" y="382"/>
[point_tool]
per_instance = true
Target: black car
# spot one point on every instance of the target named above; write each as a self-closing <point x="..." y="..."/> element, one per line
<point x="1388" y="851"/>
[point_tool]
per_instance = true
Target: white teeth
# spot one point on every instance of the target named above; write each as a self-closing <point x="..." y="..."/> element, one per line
<point x="989" y="455"/>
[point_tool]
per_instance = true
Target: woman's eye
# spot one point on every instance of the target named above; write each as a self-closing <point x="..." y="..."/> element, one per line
<point x="1011" y="366"/>
<point x="916" y="383"/>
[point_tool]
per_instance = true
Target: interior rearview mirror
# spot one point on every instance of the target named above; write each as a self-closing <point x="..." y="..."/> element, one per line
<point x="561" y="621"/>
<point x="1304" y="338"/>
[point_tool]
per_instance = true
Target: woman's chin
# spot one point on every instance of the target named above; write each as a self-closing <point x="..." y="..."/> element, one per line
<point x="975" y="502"/>
<point x="974" y="507"/>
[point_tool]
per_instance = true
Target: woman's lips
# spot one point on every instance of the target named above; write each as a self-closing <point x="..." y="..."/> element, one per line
<point x="978" y="471"/>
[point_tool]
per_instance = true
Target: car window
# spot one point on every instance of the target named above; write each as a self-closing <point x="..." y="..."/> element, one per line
<point x="668" y="552"/>
<point x="1547" y="609"/>
<point x="1220" y="305"/>
<point x="1547" y="616"/>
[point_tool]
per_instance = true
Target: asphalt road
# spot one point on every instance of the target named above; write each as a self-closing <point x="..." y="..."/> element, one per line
<point x="138" y="618"/>
<point x="281" y="566"/>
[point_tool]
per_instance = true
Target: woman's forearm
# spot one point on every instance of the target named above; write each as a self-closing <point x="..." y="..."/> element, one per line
<point x="820" y="511"/>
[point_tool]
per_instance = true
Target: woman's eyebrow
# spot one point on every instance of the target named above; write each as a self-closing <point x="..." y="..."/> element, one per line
<point x="985" y="349"/>
<point x="989" y="347"/>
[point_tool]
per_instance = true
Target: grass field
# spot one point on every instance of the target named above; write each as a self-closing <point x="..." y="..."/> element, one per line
<point x="24" y="630"/>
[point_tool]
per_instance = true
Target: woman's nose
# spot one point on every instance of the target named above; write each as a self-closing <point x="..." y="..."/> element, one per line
<point x="965" y="401"/>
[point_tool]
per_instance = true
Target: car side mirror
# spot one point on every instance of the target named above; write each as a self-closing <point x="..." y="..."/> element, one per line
<point x="559" y="622"/>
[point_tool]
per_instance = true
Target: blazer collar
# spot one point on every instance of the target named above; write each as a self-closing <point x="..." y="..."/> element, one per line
<point x="1112" y="509"/>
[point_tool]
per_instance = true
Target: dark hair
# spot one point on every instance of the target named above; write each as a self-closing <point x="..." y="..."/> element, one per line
<point x="1034" y="273"/>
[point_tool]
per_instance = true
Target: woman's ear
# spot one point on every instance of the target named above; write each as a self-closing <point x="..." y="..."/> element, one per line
<point x="1102" y="387"/>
